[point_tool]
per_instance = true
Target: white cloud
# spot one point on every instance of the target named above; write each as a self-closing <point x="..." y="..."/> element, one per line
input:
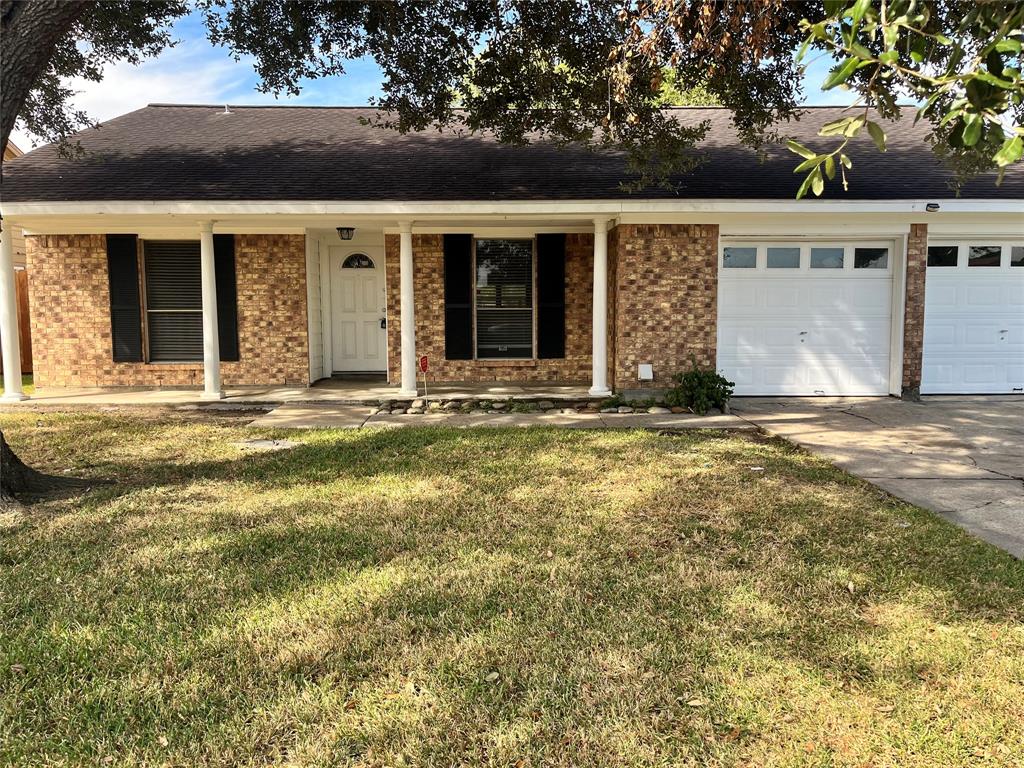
<point x="191" y="72"/>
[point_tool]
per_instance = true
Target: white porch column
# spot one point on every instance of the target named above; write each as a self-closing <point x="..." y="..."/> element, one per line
<point x="9" y="321"/>
<point x="408" y="302"/>
<point x="211" y="340"/>
<point x="599" y="376"/>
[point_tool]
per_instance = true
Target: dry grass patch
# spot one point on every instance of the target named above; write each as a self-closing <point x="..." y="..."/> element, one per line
<point x="490" y="597"/>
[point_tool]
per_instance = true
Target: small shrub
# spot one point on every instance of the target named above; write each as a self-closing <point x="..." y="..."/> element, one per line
<point x="613" y="402"/>
<point x="699" y="390"/>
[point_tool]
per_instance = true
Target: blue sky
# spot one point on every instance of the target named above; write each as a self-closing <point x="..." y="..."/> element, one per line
<point x="195" y="72"/>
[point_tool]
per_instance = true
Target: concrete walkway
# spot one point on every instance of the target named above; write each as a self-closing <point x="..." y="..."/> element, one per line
<point x="962" y="457"/>
<point x="324" y="416"/>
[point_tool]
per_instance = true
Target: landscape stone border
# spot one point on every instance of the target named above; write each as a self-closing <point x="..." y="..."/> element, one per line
<point x="484" y="406"/>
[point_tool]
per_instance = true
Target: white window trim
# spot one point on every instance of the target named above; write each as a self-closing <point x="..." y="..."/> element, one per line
<point x="762" y="271"/>
<point x="147" y="357"/>
<point x="963" y="249"/>
<point x="532" y="237"/>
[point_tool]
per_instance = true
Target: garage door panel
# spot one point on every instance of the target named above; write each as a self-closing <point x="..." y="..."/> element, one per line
<point x="807" y="377"/>
<point x="941" y="296"/>
<point x="777" y="295"/>
<point x="980" y="374"/>
<point x="739" y="294"/>
<point x="984" y="296"/>
<point x="973" y="330"/>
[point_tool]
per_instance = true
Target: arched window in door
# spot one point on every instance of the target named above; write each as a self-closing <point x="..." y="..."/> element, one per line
<point x="358" y="261"/>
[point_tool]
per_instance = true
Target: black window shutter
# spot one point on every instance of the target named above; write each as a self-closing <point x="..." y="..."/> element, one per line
<point x="125" y="303"/>
<point x="550" y="296"/>
<point x="227" y="296"/>
<point x="458" y="297"/>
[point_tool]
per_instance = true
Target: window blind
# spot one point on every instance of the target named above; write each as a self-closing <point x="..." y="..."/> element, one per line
<point x="504" y="298"/>
<point x="174" y="301"/>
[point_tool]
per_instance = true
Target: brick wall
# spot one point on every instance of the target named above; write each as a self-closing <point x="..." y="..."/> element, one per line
<point x="913" y="313"/>
<point x="428" y="265"/>
<point x="666" y="299"/>
<point x="71" y="316"/>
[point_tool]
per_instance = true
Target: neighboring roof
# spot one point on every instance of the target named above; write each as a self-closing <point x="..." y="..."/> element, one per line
<point x="11" y="151"/>
<point x="174" y="152"/>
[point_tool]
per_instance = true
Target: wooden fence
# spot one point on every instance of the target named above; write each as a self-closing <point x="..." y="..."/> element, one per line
<point x="24" y="331"/>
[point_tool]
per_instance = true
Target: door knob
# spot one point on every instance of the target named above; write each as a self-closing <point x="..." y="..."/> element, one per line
<point x="383" y="322"/>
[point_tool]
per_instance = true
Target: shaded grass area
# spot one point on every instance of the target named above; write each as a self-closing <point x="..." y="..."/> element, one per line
<point x="538" y="597"/>
<point x="26" y="383"/>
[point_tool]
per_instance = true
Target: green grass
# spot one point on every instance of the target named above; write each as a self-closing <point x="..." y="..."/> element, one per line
<point x="490" y="597"/>
<point x="26" y="383"/>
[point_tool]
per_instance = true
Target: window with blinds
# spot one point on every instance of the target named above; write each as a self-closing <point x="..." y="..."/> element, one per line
<point x="504" y="299"/>
<point x="174" y="301"/>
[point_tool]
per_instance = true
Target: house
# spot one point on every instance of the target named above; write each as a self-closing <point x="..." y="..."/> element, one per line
<point x="20" y="284"/>
<point x="11" y="151"/>
<point x="211" y="246"/>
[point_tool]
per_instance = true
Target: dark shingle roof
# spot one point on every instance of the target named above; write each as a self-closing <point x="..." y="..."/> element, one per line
<point x="170" y="152"/>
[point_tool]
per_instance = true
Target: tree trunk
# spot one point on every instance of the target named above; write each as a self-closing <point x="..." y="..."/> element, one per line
<point x="15" y="477"/>
<point x="30" y="30"/>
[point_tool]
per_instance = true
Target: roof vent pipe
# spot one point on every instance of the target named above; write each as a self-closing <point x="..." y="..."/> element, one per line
<point x="226" y="110"/>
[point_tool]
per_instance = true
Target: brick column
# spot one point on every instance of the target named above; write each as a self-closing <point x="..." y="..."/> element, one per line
<point x="913" y="311"/>
<point x="666" y="300"/>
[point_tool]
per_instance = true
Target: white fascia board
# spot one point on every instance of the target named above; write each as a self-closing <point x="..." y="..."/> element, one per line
<point x="550" y="208"/>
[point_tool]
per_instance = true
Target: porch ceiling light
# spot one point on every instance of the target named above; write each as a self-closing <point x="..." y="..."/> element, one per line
<point x="346" y="233"/>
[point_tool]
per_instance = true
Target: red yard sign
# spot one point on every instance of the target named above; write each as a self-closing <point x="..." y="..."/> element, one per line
<point x="424" y="364"/>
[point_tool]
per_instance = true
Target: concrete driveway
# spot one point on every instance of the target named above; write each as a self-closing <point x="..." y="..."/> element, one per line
<point x="962" y="457"/>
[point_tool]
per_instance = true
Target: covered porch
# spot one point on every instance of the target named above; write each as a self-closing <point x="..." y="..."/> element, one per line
<point x="294" y="329"/>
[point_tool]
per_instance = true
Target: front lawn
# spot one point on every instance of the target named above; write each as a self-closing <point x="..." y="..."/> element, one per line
<point x="535" y="597"/>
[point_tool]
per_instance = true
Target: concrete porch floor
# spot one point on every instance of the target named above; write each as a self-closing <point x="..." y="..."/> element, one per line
<point x="337" y="391"/>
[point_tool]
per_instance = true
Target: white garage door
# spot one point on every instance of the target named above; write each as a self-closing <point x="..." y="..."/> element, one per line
<point x="807" y="319"/>
<point x="974" y="318"/>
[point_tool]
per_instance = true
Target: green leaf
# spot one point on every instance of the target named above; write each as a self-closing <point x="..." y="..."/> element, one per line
<point x="845" y="160"/>
<point x="1008" y="45"/>
<point x="804" y="187"/>
<point x="972" y="129"/>
<point x="917" y="46"/>
<point x="861" y="52"/>
<point x="877" y="135"/>
<point x="840" y="74"/>
<point x="800" y="149"/>
<point x="835" y="127"/>
<point x="832" y="7"/>
<point x="889" y="57"/>
<point x="857" y="11"/>
<point x="854" y="127"/>
<point x="953" y="114"/>
<point x="1010" y="152"/>
<point x="806" y="165"/>
<point x="804" y="48"/>
<point x="817" y="183"/>
<point x="988" y="77"/>
<point x="830" y="167"/>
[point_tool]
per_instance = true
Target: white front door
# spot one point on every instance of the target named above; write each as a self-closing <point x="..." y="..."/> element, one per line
<point x="974" y="318"/>
<point x="805" y="319"/>
<point x="358" y="309"/>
